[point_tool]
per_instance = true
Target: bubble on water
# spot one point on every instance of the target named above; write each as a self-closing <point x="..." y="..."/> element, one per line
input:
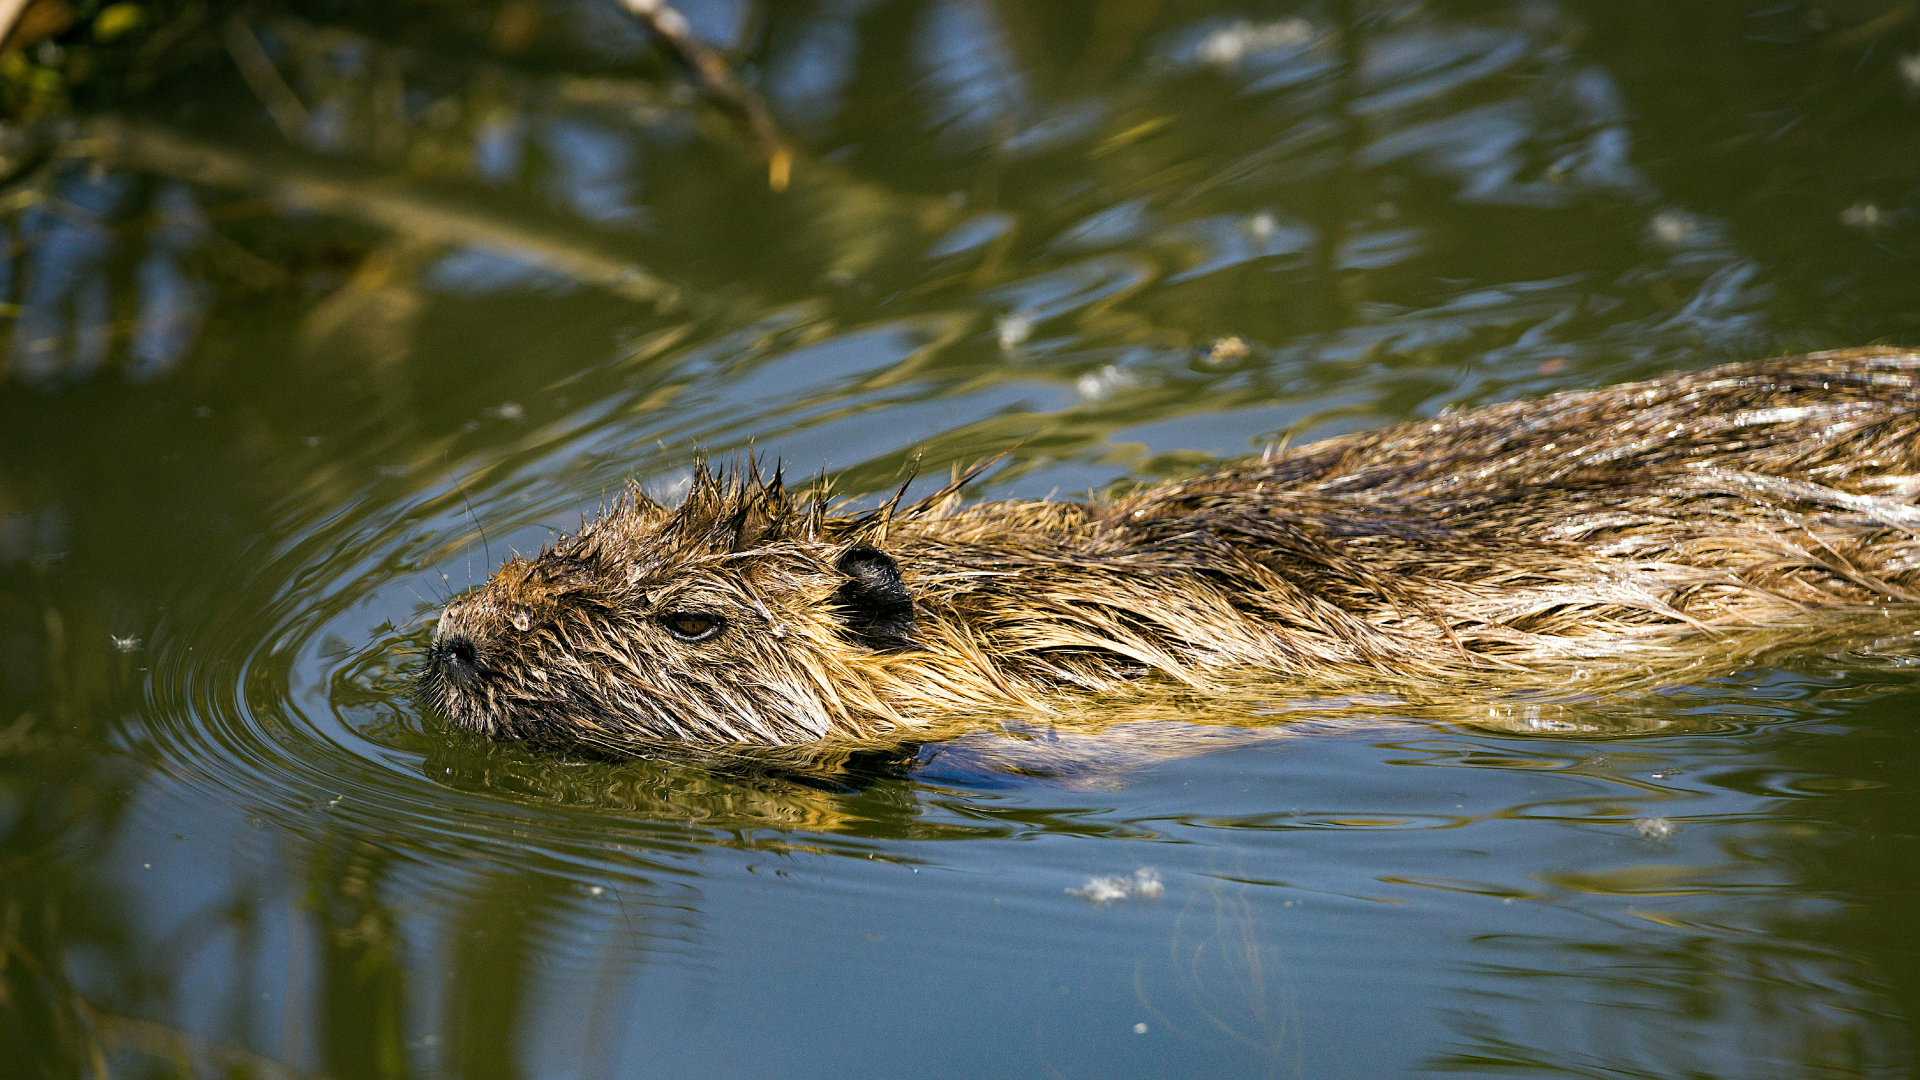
<point x="1655" y="828"/>
<point x="1104" y="383"/>
<point x="508" y="410"/>
<point x="1139" y="1029"/>
<point x="125" y="644"/>
<point x="1863" y="215"/>
<point x="1226" y="47"/>
<point x="1910" y="70"/>
<point x="1012" y="329"/>
<point x="1673" y="227"/>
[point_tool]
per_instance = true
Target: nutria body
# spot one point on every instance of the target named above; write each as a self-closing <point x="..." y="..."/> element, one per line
<point x="1523" y="535"/>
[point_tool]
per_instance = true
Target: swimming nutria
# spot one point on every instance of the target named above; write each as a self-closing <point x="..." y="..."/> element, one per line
<point x="1526" y="534"/>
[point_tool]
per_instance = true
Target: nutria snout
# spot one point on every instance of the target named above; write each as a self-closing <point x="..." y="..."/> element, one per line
<point x="1521" y="535"/>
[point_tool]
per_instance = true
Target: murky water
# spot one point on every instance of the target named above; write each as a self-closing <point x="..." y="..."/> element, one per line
<point x="282" y="379"/>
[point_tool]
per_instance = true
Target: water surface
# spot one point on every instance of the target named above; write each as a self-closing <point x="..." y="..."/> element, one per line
<point x="281" y="381"/>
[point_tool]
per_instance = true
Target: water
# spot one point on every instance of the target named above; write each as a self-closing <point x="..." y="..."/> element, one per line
<point x="279" y="383"/>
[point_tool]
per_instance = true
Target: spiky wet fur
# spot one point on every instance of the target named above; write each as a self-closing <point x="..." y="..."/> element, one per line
<point x="1517" y="536"/>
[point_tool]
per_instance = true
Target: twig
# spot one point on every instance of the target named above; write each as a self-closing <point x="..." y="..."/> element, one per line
<point x="9" y="14"/>
<point x="717" y="78"/>
<point x="36" y="21"/>
<point x="154" y="149"/>
<point x="256" y="67"/>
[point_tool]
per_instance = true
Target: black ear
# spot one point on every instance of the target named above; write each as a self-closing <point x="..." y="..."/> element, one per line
<point x="873" y="603"/>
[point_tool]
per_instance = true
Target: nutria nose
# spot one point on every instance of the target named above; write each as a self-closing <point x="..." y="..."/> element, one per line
<point x="456" y="656"/>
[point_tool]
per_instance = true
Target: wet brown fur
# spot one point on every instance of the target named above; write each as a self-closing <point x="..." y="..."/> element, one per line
<point x="1520" y="536"/>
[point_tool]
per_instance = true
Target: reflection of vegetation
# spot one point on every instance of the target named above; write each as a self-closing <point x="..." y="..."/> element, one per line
<point x="59" y="799"/>
<point x="1750" y="985"/>
<point x="52" y="49"/>
<point x="1750" y="105"/>
<point x="362" y="959"/>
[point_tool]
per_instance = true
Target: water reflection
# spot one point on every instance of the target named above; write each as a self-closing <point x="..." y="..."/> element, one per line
<point x="290" y="365"/>
<point x="63" y="327"/>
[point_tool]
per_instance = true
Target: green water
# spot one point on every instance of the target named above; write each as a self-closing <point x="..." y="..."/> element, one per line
<point x="278" y="383"/>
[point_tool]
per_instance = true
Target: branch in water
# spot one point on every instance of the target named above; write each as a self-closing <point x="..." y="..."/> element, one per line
<point x="153" y="149"/>
<point x="717" y="78"/>
<point x="256" y="67"/>
<point x="10" y="11"/>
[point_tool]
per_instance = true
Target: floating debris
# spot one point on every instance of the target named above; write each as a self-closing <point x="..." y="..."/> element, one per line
<point x="125" y="644"/>
<point x="1225" y="351"/>
<point x="1145" y="882"/>
<point x="509" y="410"/>
<point x="1104" y="890"/>
<point x="1655" y="828"/>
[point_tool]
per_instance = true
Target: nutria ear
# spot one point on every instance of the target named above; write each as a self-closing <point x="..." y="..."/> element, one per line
<point x="873" y="604"/>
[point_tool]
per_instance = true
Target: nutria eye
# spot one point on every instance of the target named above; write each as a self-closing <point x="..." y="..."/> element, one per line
<point x="692" y="626"/>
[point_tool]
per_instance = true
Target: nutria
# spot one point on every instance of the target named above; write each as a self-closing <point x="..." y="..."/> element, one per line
<point x="1512" y="537"/>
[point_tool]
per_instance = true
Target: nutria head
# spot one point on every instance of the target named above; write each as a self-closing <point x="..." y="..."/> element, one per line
<point x="744" y="614"/>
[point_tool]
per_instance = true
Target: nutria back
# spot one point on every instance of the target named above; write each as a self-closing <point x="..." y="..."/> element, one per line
<point x="1515" y="537"/>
